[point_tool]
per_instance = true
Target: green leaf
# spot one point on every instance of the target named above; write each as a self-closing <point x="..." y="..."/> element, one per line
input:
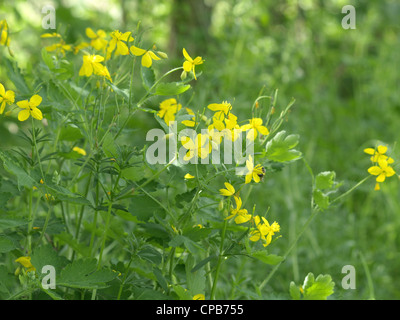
<point x="70" y="132"/>
<point x="144" y="207"/>
<point x="160" y="278"/>
<point x="263" y="256"/>
<point x="171" y="89"/>
<point x="294" y="291"/>
<point x="321" y="199"/>
<point x="148" y="78"/>
<point x="63" y="194"/>
<point x="83" y="273"/>
<point x="121" y="92"/>
<point x="7" y="244"/>
<point x="204" y="262"/>
<point x="11" y="165"/>
<point x="318" y="289"/>
<point x="46" y="255"/>
<point x="280" y="148"/>
<point x="6" y="223"/>
<point x="192" y="246"/>
<point x="150" y="254"/>
<point x="182" y="293"/>
<point x="325" y="180"/>
<point x="47" y="59"/>
<point x="196" y="281"/>
<point x="67" y="238"/>
<point x="15" y="75"/>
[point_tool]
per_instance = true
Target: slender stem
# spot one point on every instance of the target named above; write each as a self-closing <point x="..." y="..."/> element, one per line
<point x="220" y="259"/>
<point x="30" y="224"/>
<point x="124" y="279"/>
<point x="103" y="242"/>
<point x="305" y="226"/>
<point x="369" y="278"/>
<point x="46" y="222"/>
<point x="350" y="190"/>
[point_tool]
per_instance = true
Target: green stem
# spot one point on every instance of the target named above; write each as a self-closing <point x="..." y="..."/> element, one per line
<point x="219" y="263"/>
<point x="305" y="226"/>
<point x="46" y="222"/>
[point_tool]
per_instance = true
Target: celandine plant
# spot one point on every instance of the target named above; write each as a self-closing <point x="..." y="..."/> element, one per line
<point x="115" y="221"/>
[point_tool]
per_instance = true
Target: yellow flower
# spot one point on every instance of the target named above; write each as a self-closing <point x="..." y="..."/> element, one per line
<point x="382" y="171"/>
<point x="189" y="64"/>
<point x="26" y="262"/>
<point x="200" y="147"/>
<point x="81" y="46"/>
<point x="255" y="126"/>
<point x="4" y="35"/>
<point x="199" y="296"/>
<point x="189" y="176"/>
<point x="117" y="40"/>
<point x="5" y="97"/>
<point x="263" y="231"/>
<point x="51" y="35"/>
<point x="190" y="123"/>
<point x="92" y="64"/>
<point x="220" y="109"/>
<point x="168" y="109"/>
<point x="147" y="56"/>
<point x="255" y="173"/>
<point x="378" y="154"/>
<point x="229" y="191"/>
<point x="59" y="47"/>
<point x="49" y="197"/>
<point x="98" y="40"/>
<point x="30" y="108"/>
<point x="241" y="214"/>
<point x="80" y="151"/>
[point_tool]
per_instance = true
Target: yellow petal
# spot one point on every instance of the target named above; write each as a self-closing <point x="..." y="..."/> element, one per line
<point x="137" y="51"/>
<point x="86" y="69"/>
<point x="381" y="178"/>
<point x="23" y="104"/>
<point x="146" y="60"/>
<point x="153" y="55"/>
<point x="23" y="115"/>
<point x="263" y="130"/>
<point x="35" y="101"/>
<point x="122" y="49"/>
<point x="382" y="149"/>
<point x="187" y="66"/>
<point x="90" y="33"/>
<point x="189" y="176"/>
<point x="79" y="150"/>
<point x="375" y="170"/>
<point x="2" y="90"/>
<point x="370" y="151"/>
<point x="186" y="55"/>
<point x="37" y="114"/>
<point x="229" y="187"/>
<point x="10" y="96"/>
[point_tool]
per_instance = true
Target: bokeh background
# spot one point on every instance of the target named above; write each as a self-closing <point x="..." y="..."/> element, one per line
<point x="346" y="85"/>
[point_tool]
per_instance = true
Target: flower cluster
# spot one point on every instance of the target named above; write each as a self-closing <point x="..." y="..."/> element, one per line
<point x="381" y="164"/>
<point x="261" y="230"/>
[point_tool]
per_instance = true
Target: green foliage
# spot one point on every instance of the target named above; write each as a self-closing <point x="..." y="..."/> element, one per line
<point x="313" y="289"/>
<point x="117" y="227"/>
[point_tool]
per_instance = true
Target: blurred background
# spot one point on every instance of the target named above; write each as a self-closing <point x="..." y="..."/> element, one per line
<point x="346" y="85"/>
